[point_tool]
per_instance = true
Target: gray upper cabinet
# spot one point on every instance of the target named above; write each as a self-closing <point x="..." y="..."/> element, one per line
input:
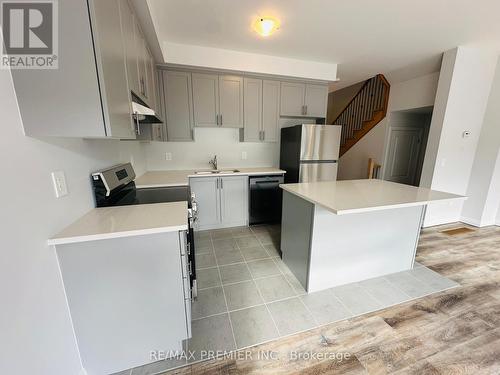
<point x="74" y="100"/>
<point x="112" y="69"/>
<point x="218" y="100"/>
<point x="270" y="110"/>
<point x="316" y="100"/>
<point x="292" y="99"/>
<point x="129" y="31"/>
<point x="178" y="105"/>
<point x="150" y="80"/>
<point x="253" y="110"/>
<point x="205" y="99"/>
<point x="89" y="95"/>
<point x="230" y="101"/>
<point x="303" y="100"/>
<point x="261" y="108"/>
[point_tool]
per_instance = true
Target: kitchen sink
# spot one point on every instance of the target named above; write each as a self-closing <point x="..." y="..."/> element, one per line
<point x="218" y="171"/>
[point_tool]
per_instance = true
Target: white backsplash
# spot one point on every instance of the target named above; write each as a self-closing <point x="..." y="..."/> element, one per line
<point x="215" y="141"/>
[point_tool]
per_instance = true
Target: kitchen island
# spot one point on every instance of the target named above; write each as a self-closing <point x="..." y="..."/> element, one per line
<point x="338" y="232"/>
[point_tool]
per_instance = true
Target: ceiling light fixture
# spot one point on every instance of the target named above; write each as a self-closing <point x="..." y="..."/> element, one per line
<point x="265" y="26"/>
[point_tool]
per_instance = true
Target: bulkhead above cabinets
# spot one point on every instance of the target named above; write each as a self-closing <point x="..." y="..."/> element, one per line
<point x="195" y="98"/>
<point x="103" y="58"/>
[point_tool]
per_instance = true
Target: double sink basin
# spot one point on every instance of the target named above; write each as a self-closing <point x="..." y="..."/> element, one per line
<point x="218" y="171"/>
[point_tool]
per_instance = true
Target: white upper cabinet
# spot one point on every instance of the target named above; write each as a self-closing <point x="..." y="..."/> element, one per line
<point x="292" y="99"/>
<point x="303" y="100"/>
<point x="230" y="101"/>
<point x="206" y="99"/>
<point x="270" y="110"/>
<point x="178" y="105"/>
<point x="253" y="110"/>
<point x="316" y="100"/>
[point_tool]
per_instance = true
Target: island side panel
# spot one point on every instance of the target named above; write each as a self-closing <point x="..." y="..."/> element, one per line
<point x="354" y="247"/>
<point x="296" y="232"/>
<point x="126" y="298"/>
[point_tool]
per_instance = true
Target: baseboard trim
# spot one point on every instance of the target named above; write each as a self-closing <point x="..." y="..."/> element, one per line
<point x="476" y="223"/>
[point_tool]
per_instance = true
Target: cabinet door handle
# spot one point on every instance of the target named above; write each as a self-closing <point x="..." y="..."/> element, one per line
<point x="220" y="119"/>
<point x="221" y="183"/>
<point x="263" y="135"/>
<point x="305" y="111"/>
<point x="137" y="126"/>
<point x="217" y="183"/>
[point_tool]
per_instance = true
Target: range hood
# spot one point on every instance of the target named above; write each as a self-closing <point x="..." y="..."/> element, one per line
<point x="143" y="113"/>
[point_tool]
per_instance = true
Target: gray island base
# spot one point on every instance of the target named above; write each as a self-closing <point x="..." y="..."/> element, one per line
<point x="334" y="233"/>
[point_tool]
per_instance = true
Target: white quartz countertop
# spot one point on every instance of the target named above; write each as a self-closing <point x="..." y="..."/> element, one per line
<point x="352" y="196"/>
<point x="181" y="177"/>
<point x="125" y="221"/>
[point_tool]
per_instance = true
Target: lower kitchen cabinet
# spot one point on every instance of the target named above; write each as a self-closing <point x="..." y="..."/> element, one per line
<point x="222" y="201"/>
<point x="206" y="190"/>
<point x="234" y="201"/>
<point x="127" y="296"/>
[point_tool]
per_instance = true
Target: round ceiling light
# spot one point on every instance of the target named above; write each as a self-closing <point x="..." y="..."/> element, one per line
<point x="265" y="26"/>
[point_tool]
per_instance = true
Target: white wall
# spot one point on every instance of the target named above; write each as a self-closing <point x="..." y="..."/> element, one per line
<point x="415" y="93"/>
<point x="216" y="141"/>
<point x="35" y="330"/>
<point x="338" y="100"/>
<point x="218" y="58"/>
<point x="464" y="87"/>
<point x="483" y="189"/>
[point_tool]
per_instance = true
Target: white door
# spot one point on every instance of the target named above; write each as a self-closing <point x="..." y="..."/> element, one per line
<point x="316" y="100"/>
<point x="253" y="110"/>
<point x="205" y="99"/>
<point x="207" y="196"/>
<point x="178" y="105"/>
<point x="292" y="99"/>
<point x="270" y="110"/>
<point x="230" y="101"/>
<point x="234" y="201"/>
<point x="403" y="154"/>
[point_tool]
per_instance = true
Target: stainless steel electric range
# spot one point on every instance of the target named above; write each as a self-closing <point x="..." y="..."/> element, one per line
<point x="115" y="186"/>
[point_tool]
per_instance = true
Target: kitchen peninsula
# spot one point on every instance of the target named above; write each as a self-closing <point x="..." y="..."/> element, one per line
<point x="338" y="232"/>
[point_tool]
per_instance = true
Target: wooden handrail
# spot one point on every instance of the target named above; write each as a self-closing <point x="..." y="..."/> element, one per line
<point x="350" y="101"/>
<point x="365" y="110"/>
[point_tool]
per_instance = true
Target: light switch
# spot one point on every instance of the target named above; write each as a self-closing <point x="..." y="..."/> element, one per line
<point x="243" y="155"/>
<point x="59" y="181"/>
<point x="168" y="156"/>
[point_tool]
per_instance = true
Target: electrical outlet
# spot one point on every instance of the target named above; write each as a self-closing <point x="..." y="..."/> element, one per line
<point x="59" y="181"/>
<point x="243" y="155"/>
<point x="168" y="156"/>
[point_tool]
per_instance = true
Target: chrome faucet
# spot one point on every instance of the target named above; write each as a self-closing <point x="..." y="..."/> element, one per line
<point x="213" y="162"/>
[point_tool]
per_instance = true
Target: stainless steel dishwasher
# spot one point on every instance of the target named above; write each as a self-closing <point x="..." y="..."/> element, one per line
<point x="265" y="199"/>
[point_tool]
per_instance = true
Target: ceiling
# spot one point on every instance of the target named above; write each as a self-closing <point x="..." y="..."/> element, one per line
<point x="403" y="39"/>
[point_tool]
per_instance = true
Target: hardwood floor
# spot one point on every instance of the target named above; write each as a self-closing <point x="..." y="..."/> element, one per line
<point x="453" y="332"/>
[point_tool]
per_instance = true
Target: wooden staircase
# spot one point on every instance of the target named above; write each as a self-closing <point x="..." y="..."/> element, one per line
<point x="365" y="110"/>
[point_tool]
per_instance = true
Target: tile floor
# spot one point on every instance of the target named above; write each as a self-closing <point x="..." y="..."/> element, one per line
<point x="247" y="295"/>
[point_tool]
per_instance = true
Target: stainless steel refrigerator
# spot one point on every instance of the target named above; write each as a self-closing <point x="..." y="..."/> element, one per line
<point x="310" y="152"/>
